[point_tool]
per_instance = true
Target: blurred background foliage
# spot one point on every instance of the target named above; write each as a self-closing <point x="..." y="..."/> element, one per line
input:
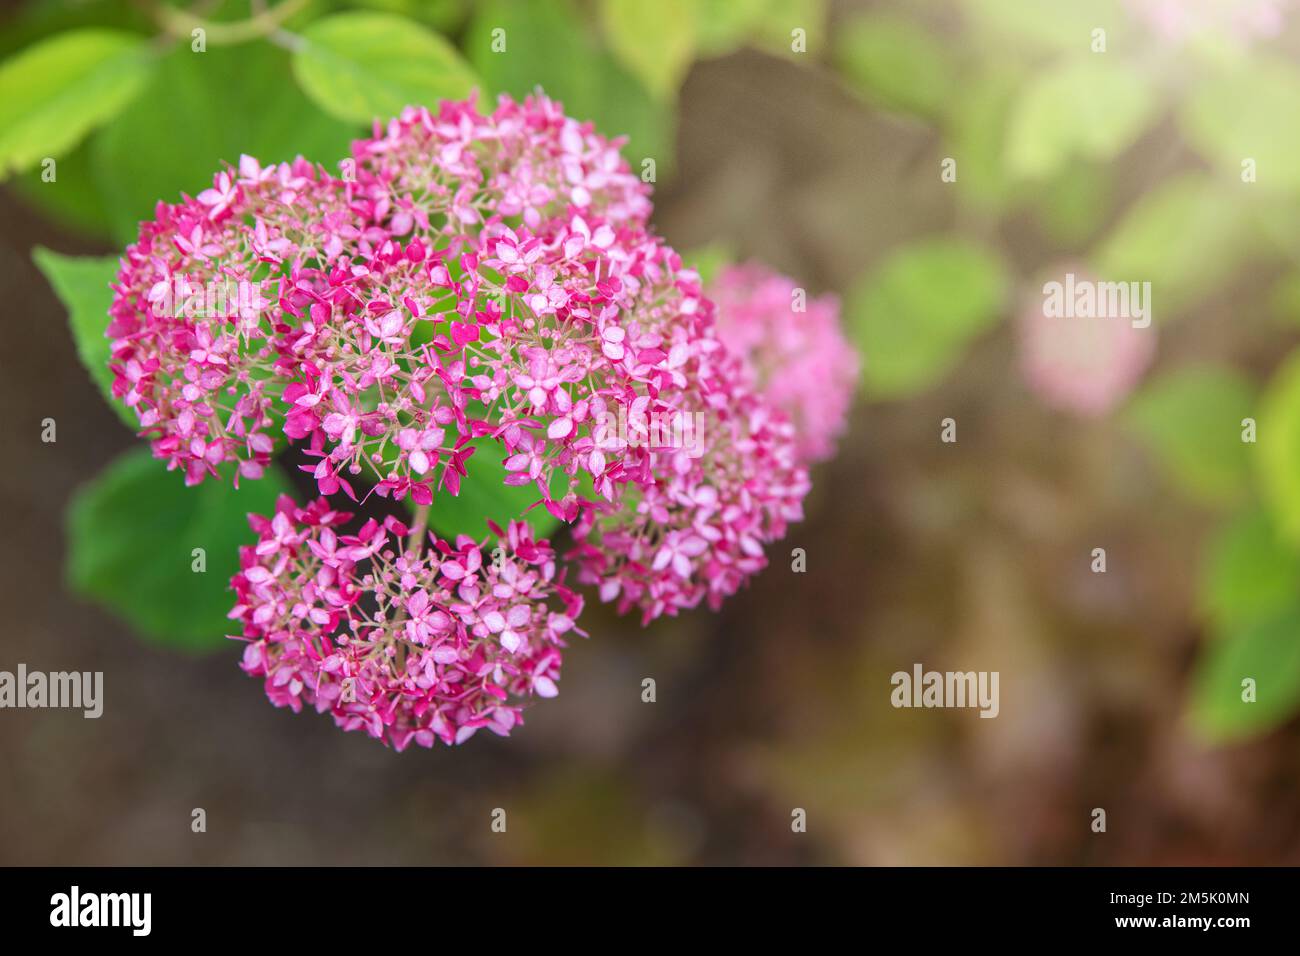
<point x="933" y="162"/>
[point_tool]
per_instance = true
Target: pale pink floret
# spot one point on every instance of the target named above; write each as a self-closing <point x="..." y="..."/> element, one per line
<point x="796" y="351"/>
<point x="406" y="643"/>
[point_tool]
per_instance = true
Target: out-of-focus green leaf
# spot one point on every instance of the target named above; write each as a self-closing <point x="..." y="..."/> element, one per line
<point x="1277" y="453"/>
<point x="1074" y="204"/>
<point x="38" y="20"/>
<point x="709" y="260"/>
<point x="82" y="284"/>
<point x="723" y="25"/>
<point x="1004" y="25"/>
<point x="977" y="121"/>
<point x="775" y="31"/>
<point x="1265" y="651"/>
<point x="1185" y="237"/>
<point x="54" y="93"/>
<point x="1090" y="109"/>
<point x="366" y="66"/>
<point x="442" y="15"/>
<point x="1248" y="114"/>
<point x="1250" y="573"/>
<point x="483" y="497"/>
<point x="895" y="62"/>
<point x="72" y="198"/>
<point x="131" y="539"/>
<point x="549" y="45"/>
<point x="914" y="316"/>
<point x="656" y="41"/>
<point x="235" y="100"/>
<point x="1191" y="419"/>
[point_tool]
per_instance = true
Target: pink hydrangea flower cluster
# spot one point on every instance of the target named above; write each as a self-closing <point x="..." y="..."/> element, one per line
<point x="467" y="283"/>
<point x="795" y="350"/>
<point x="405" y="643"/>
<point x="462" y="277"/>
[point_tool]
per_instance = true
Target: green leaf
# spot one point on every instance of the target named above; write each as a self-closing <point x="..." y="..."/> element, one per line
<point x="1277" y="454"/>
<point x="366" y="66"/>
<point x="1192" y="421"/>
<point x="483" y="497"/>
<point x="723" y="25"/>
<point x="72" y="198"/>
<point x="1250" y="573"/>
<point x="709" y="260"/>
<point x="914" y="316"/>
<point x="1005" y="25"/>
<point x="55" y="92"/>
<point x="83" y="285"/>
<point x="243" y="100"/>
<point x="1186" y="237"/>
<point x="1248" y="113"/>
<point x="976" y="130"/>
<point x="549" y="45"/>
<point x="656" y="41"/>
<point x="895" y="62"/>
<point x="1090" y="109"/>
<point x="131" y="536"/>
<point x="1265" y="651"/>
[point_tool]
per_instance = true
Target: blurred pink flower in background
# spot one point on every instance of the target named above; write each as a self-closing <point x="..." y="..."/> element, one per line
<point x="1178" y="20"/>
<point x="799" y="360"/>
<point x="1080" y="363"/>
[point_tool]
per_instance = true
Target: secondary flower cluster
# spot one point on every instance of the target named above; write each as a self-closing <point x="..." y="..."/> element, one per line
<point x="405" y="643"/>
<point x="468" y="283"/>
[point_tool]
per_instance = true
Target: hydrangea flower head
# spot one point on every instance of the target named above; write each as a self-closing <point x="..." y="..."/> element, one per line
<point x="405" y="643"/>
<point x="464" y="275"/>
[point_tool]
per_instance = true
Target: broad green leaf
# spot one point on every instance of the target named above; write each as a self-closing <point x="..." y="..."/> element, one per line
<point x="83" y="285"/>
<point x="1186" y="237"/>
<point x="442" y="15"/>
<point x="914" y="316"/>
<point x="722" y="26"/>
<point x="1090" y="109"/>
<point x="656" y="41"/>
<point x="1250" y="573"/>
<point x="895" y="62"/>
<point x="1192" y="420"/>
<point x="549" y="46"/>
<point x="1277" y="450"/>
<point x="235" y="100"/>
<point x="131" y="539"/>
<point x="69" y="194"/>
<point x="483" y="497"/>
<point x="1248" y="114"/>
<point x="1074" y="204"/>
<point x="1265" y="651"/>
<point x="1005" y="25"/>
<point x="55" y="92"/>
<point x="367" y="66"/>
<point x="976" y="131"/>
